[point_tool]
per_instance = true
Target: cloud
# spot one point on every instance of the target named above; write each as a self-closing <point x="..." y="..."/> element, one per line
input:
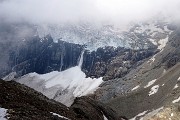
<point x="60" y="11"/>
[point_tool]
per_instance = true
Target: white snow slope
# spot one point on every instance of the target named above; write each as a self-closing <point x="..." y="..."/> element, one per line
<point x="62" y="86"/>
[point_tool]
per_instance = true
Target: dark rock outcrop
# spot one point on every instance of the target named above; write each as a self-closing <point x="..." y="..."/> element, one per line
<point x="86" y="106"/>
<point x="112" y="63"/>
<point x="24" y="103"/>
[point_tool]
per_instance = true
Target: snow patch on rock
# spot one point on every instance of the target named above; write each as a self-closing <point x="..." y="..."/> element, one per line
<point x="150" y="83"/>
<point x="151" y="60"/>
<point x="162" y="43"/>
<point x="3" y="113"/>
<point x="135" y="88"/>
<point x="154" y="90"/>
<point x="176" y="86"/>
<point x="55" y="114"/>
<point x="140" y="114"/>
<point x="151" y="114"/>
<point x="105" y="118"/>
<point x="176" y="100"/>
<point x="153" y="41"/>
<point x="178" y="79"/>
<point x="10" y="76"/>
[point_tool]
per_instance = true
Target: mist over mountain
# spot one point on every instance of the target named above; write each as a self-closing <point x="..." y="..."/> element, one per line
<point x="118" y="12"/>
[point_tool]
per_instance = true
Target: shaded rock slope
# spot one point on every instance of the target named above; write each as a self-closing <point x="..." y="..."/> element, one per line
<point x="150" y="89"/>
<point x="24" y="103"/>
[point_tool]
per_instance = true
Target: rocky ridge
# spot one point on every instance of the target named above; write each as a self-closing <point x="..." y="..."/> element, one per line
<point x="27" y="104"/>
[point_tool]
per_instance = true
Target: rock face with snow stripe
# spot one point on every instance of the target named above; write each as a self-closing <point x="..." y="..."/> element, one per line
<point x="43" y="56"/>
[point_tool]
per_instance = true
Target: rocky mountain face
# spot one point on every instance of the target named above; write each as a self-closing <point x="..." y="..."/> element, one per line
<point x="42" y="55"/>
<point x="111" y="63"/>
<point x="31" y="46"/>
<point x="149" y="87"/>
<point x="138" y="79"/>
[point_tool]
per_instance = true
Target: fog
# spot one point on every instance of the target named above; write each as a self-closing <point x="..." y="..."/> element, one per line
<point x="98" y="11"/>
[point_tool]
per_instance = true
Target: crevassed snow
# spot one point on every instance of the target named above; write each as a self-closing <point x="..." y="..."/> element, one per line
<point x="154" y="90"/>
<point x="3" y="113"/>
<point x="84" y="34"/>
<point x="140" y="114"/>
<point x="135" y="88"/>
<point x="162" y="43"/>
<point x="176" y="100"/>
<point x="150" y="83"/>
<point x="55" y="114"/>
<point x="95" y="36"/>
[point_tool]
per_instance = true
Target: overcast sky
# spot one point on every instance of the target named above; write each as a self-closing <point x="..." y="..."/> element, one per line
<point x="59" y="11"/>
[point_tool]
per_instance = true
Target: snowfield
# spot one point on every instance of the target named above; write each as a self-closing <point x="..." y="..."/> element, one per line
<point x="72" y="78"/>
<point x="63" y="86"/>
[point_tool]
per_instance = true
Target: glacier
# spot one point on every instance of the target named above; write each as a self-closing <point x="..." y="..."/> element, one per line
<point x="136" y="36"/>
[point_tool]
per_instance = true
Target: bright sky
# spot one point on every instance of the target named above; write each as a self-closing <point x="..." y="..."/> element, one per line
<point x="115" y="11"/>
